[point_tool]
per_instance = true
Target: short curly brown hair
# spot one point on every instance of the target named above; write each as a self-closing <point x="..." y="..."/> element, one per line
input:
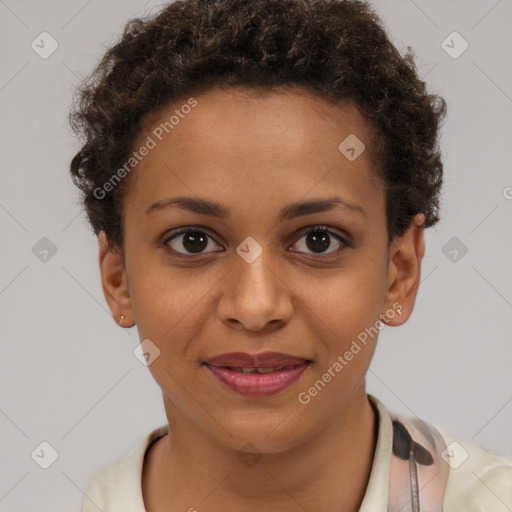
<point x="337" y="49"/>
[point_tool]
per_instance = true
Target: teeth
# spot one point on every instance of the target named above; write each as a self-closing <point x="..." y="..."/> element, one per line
<point x="246" y="370"/>
<point x="259" y="370"/>
<point x="269" y="370"/>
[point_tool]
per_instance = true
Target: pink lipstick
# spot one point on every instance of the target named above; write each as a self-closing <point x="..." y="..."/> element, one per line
<point x="257" y="375"/>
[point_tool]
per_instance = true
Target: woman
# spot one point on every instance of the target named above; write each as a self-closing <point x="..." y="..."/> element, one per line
<point x="259" y="176"/>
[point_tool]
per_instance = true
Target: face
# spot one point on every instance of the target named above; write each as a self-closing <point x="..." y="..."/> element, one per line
<point x="293" y="258"/>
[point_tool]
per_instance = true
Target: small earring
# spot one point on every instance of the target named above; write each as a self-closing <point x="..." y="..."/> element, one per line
<point x="121" y="321"/>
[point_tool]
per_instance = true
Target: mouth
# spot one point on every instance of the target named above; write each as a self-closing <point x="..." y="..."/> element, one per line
<point x="257" y="376"/>
<point x="259" y="370"/>
<point x="265" y="360"/>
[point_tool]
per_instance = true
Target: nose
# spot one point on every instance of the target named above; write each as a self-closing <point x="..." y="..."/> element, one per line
<point x="256" y="295"/>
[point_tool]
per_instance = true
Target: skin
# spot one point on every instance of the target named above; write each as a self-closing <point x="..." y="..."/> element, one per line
<point x="254" y="155"/>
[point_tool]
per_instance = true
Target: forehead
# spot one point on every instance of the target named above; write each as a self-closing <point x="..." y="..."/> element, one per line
<point x="259" y="146"/>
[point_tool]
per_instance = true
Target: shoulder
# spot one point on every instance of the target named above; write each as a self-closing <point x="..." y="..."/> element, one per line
<point x="101" y="488"/>
<point x="454" y="473"/>
<point x="479" y="479"/>
<point x="117" y="486"/>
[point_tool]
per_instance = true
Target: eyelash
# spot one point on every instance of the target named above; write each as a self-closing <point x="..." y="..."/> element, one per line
<point x="345" y="243"/>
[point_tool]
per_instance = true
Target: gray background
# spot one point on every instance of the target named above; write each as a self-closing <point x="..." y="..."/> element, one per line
<point x="68" y="374"/>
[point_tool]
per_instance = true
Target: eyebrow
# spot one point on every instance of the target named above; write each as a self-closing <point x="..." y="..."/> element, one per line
<point x="291" y="211"/>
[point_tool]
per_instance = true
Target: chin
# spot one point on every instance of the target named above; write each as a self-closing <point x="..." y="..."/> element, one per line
<point x="270" y="435"/>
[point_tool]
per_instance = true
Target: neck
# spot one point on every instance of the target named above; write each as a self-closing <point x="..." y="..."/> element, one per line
<point x="327" y="472"/>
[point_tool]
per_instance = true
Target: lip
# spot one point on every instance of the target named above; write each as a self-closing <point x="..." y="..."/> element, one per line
<point x="254" y="385"/>
<point x="262" y="360"/>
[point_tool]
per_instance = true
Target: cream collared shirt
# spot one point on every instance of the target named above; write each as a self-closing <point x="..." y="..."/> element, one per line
<point x="416" y="468"/>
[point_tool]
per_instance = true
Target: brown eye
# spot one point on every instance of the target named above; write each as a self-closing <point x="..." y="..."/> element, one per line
<point x="319" y="239"/>
<point x="194" y="241"/>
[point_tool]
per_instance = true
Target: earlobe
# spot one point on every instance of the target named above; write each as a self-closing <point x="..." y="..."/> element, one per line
<point x="114" y="282"/>
<point x="404" y="272"/>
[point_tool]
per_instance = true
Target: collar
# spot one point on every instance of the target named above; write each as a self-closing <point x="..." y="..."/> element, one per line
<point x="376" y="495"/>
<point x="118" y="487"/>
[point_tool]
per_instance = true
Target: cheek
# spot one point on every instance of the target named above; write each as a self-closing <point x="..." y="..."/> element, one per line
<point x="172" y="307"/>
<point x="165" y="298"/>
<point x="344" y="321"/>
<point x="343" y="318"/>
<point x="349" y="300"/>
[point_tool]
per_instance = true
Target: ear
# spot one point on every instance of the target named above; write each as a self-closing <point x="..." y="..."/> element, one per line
<point x="404" y="272"/>
<point x="114" y="282"/>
